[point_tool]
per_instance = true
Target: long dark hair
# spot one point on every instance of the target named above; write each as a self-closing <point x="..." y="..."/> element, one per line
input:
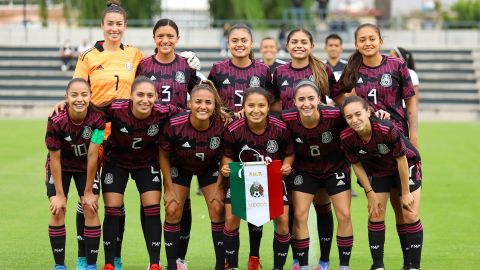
<point x="350" y="74"/>
<point x="244" y="27"/>
<point x="165" y="22"/>
<point x="257" y="90"/>
<point x="320" y="75"/>
<point x="353" y="99"/>
<point x="406" y="55"/>
<point x="113" y="6"/>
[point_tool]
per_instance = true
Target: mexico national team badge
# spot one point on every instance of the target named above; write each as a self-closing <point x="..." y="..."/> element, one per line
<point x="383" y="149"/>
<point x="87" y="132"/>
<point x="128" y="66"/>
<point x="152" y="130"/>
<point x="108" y="179"/>
<point x="256" y="190"/>
<point x="174" y="172"/>
<point x="254" y="81"/>
<point x="214" y="143"/>
<point x="327" y="137"/>
<point x="298" y="180"/>
<point x="272" y="146"/>
<point x="180" y="77"/>
<point x="386" y="80"/>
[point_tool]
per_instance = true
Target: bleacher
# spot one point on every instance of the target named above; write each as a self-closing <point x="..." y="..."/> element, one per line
<point x="30" y="77"/>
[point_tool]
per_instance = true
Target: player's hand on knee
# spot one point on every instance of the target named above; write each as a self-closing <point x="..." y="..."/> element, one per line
<point x="58" y="203"/>
<point x="374" y="206"/>
<point x="192" y="59"/>
<point x="407" y="201"/>
<point x="90" y="201"/>
<point x="169" y="199"/>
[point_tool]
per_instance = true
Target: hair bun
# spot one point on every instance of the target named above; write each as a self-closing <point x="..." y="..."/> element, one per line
<point x="113" y="3"/>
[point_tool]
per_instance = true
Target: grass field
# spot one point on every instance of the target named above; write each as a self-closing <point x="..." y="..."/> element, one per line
<point x="450" y="209"/>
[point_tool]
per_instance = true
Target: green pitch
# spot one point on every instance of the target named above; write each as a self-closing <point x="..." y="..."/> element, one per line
<point x="449" y="211"/>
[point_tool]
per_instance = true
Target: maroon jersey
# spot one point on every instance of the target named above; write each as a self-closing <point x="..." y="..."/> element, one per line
<point x="286" y="77"/>
<point x="193" y="150"/>
<point x="231" y="81"/>
<point x="385" y="87"/>
<point x="378" y="155"/>
<point x="317" y="150"/>
<point x="173" y="81"/>
<point x="133" y="143"/>
<point x="275" y="142"/>
<point x="72" y="139"/>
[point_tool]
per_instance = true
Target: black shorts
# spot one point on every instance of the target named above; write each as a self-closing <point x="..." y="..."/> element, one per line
<point x="310" y="183"/>
<point x="184" y="178"/>
<point x="80" y="179"/>
<point x="387" y="183"/>
<point x="115" y="178"/>
<point x="228" y="196"/>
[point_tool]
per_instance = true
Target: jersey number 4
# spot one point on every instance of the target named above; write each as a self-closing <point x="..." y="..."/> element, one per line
<point x="372" y="95"/>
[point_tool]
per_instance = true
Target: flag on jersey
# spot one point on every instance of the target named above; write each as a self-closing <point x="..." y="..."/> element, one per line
<point x="256" y="191"/>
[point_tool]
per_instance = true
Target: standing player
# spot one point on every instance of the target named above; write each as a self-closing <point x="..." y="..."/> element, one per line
<point x="191" y="145"/>
<point x="132" y="149"/>
<point x="270" y="138"/>
<point x="385" y="83"/>
<point x="386" y="164"/>
<point x="232" y="77"/>
<point x="399" y="52"/>
<point x="73" y="139"/>
<point x="319" y="163"/>
<point x="268" y="49"/>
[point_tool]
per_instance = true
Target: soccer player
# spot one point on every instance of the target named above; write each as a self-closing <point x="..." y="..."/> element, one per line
<point x="232" y="77"/>
<point x="171" y="73"/>
<point x="192" y="145"/>
<point x="73" y="139"/>
<point x="406" y="55"/>
<point x="271" y="138"/>
<point x="385" y="83"/>
<point x="132" y="149"/>
<point x="319" y="164"/>
<point x="268" y="49"/>
<point x="386" y="164"/>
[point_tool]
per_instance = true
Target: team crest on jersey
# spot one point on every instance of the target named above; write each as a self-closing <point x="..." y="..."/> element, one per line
<point x="327" y="137"/>
<point x="386" y="80"/>
<point x="256" y="190"/>
<point x="180" y="77"/>
<point x="254" y="81"/>
<point x="272" y="146"/>
<point x="174" y="172"/>
<point x="87" y="132"/>
<point x="383" y="149"/>
<point x="214" y="143"/>
<point x="108" y="179"/>
<point x="298" y="180"/>
<point x="128" y="66"/>
<point x="152" y="130"/>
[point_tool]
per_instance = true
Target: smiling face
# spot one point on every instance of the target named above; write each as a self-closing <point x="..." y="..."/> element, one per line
<point x="307" y="101"/>
<point x="166" y="39"/>
<point x="240" y="43"/>
<point x="357" y="117"/>
<point x="368" y="41"/>
<point x="113" y="26"/>
<point x="268" y="49"/>
<point x="299" y="45"/>
<point x="143" y="98"/>
<point x="202" y="104"/>
<point x="78" y="97"/>
<point x="256" y="108"/>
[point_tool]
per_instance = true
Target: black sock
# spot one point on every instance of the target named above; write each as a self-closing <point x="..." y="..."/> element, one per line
<point x="185" y="226"/>
<point x="92" y="242"/>
<point x="110" y="232"/>
<point x="217" y="237"/>
<point x="325" y="229"/>
<point x="300" y="249"/>
<point x="80" y="220"/>
<point x="121" y="230"/>
<point x="344" y="244"/>
<point x="291" y="217"/>
<point x="402" y="231"/>
<point x="415" y="243"/>
<point x="57" y="241"/>
<point x="231" y="241"/>
<point x="171" y="234"/>
<point x="153" y="231"/>
<point x="376" y="239"/>
<point x="281" y="244"/>
<point x="142" y="222"/>
<point x="255" y="237"/>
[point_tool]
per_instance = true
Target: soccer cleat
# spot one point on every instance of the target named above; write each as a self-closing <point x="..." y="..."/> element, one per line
<point x="254" y="263"/>
<point x="81" y="263"/>
<point x="108" y="266"/>
<point x="154" y="267"/>
<point x="91" y="267"/>
<point x="323" y="265"/>
<point x="295" y="265"/>
<point x="60" y="267"/>
<point x="117" y="262"/>
<point x="181" y="264"/>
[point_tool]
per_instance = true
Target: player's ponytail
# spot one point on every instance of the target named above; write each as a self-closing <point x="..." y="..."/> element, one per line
<point x="406" y="55"/>
<point x="246" y="28"/>
<point x="209" y="86"/>
<point x="113" y="6"/>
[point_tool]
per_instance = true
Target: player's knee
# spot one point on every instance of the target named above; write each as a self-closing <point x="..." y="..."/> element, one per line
<point x="216" y="211"/>
<point x="300" y="216"/>
<point x="58" y="218"/>
<point x="410" y="217"/>
<point x="173" y="213"/>
<point x="281" y="224"/>
<point x="343" y="215"/>
<point x="89" y="213"/>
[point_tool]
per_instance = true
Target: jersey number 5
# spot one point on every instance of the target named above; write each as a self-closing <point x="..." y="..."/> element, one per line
<point x="238" y="97"/>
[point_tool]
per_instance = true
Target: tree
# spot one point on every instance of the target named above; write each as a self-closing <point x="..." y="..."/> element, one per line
<point x="43" y="12"/>
<point x="464" y="11"/>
